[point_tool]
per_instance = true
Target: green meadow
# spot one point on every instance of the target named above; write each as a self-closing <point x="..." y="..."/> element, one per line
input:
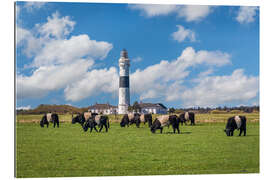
<point x="68" y="151"/>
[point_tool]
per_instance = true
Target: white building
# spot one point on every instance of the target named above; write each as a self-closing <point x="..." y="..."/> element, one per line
<point x="153" y="108"/>
<point x="103" y="108"/>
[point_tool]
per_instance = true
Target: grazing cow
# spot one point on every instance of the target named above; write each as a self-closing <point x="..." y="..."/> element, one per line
<point x="81" y="118"/>
<point x="134" y="118"/>
<point x="187" y="116"/>
<point x="78" y="119"/>
<point x="146" y="118"/>
<point x="165" y="120"/>
<point x="55" y="119"/>
<point x="236" y="122"/>
<point x="100" y="120"/>
<point x="125" y="121"/>
<point x="44" y="121"/>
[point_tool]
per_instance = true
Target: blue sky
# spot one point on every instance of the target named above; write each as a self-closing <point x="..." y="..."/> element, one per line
<point x="181" y="56"/>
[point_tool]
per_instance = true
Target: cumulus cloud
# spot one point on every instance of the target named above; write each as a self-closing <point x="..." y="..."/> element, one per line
<point x="30" y="6"/>
<point x="189" y="12"/>
<point x="246" y="14"/>
<point x="49" y="78"/>
<point x="56" y="26"/>
<point x="93" y="83"/>
<point x="182" y="34"/>
<point x="23" y="107"/>
<point x="217" y="90"/>
<point x="58" y="61"/>
<point x="194" y="12"/>
<point x="66" y="50"/>
<point x="170" y="74"/>
<point x="22" y="34"/>
<point x="151" y="10"/>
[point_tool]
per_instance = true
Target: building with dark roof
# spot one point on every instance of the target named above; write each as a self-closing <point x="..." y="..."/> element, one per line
<point x="153" y="108"/>
<point x="103" y="108"/>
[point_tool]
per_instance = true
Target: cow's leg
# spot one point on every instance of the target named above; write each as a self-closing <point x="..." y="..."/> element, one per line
<point x="240" y="132"/>
<point x="47" y="125"/>
<point x="245" y="132"/>
<point x="106" y="127"/>
<point x="101" y="128"/>
<point x="161" y="130"/>
<point x="174" y="130"/>
<point x="178" y="129"/>
<point x="231" y="133"/>
<point x="54" y="123"/>
<point x="95" y="129"/>
<point x="91" y="128"/>
<point x="138" y="124"/>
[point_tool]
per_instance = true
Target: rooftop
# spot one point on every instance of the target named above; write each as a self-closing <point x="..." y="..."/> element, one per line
<point x="102" y="106"/>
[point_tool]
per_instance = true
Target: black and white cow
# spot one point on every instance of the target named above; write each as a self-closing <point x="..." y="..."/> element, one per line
<point x="165" y="120"/>
<point x="78" y="119"/>
<point x="187" y="116"/>
<point x="44" y="121"/>
<point x="236" y="122"/>
<point x="125" y="121"/>
<point x="81" y="118"/>
<point x="129" y="119"/>
<point x="100" y="120"/>
<point x="134" y="118"/>
<point x="146" y="118"/>
<point x="55" y="119"/>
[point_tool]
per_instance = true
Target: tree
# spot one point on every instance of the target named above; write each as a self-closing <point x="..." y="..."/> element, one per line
<point x="171" y="110"/>
<point x="136" y="107"/>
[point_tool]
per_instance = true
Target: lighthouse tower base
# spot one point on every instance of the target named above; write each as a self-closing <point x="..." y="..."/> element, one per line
<point x="123" y="100"/>
<point x="122" y="109"/>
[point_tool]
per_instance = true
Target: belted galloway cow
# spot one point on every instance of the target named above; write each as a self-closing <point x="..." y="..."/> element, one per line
<point x="186" y="117"/>
<point x="236" y="122"/>
<point x="100" y="120"/>
<point x="165" y="120"/>
<point x="44" y="121"/>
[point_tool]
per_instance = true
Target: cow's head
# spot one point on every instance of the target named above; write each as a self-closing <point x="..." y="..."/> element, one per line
<point x="74" y="119"/>
<point x="227" y="131"/>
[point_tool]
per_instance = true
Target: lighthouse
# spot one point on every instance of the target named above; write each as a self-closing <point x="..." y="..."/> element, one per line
<point x="124" y="96"/>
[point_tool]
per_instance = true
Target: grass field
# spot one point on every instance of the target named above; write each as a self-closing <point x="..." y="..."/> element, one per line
<point x="200" y="149"/>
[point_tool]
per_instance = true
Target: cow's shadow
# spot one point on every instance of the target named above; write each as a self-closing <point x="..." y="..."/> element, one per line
<point x="177" y="133"/>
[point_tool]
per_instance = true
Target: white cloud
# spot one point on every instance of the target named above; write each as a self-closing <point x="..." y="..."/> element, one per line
<point x="246" y="14"/>
<point x="23" y="107"/>
<point x="49" y="78"/>
<point x="216" y="90"/>
<point x="206" y="73"/>
<point x="157" y="80"/>
<point x="137" y="59"/>
<point x="56" y="26"/>
<point x="22" y="34"/>
<point x="30" y="6"/>
<point x="189" y="12"/>
<point x="66" y="50"/>
<point x="93" y="83"/>
<point x="194" y="12"/>
<point x="182" y="34"/>
<point x="58" y="62"/>
<point x="151" y="10"/>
